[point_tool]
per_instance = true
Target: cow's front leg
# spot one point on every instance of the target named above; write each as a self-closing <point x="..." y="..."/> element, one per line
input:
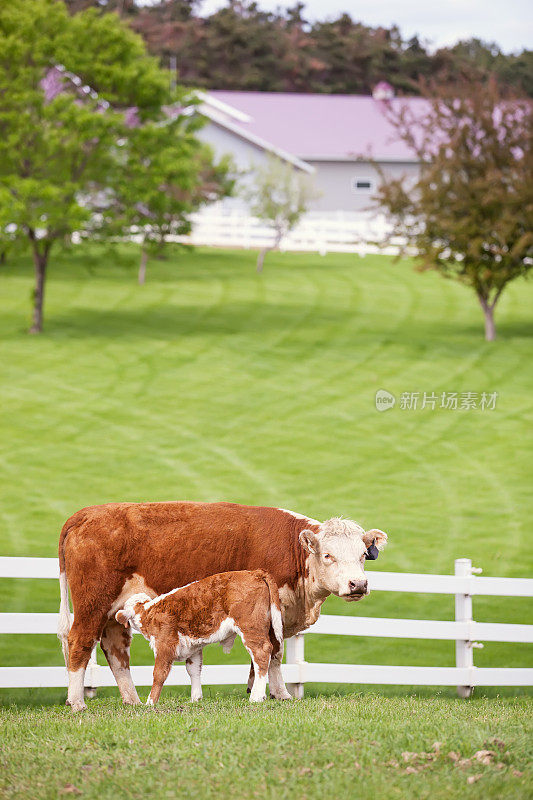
<point x="276" y="684"/>
<point x="193" y="666"/>
<point x="162" y="667"/>
<point x="115" y="642"/>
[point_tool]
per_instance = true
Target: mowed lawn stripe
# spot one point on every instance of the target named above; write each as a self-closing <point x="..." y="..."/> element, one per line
<point x="212" y="382"/>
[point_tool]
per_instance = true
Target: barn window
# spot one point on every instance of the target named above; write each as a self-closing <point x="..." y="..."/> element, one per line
<point x="362" y="184"/>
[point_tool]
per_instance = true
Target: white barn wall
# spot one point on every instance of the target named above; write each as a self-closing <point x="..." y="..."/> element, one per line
<point x="222" y="141"/>
<point x="245" y="155"/>
<point x="335" y="179"/>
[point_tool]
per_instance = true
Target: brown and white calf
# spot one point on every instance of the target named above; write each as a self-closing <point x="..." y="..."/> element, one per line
<point x="108" y="553"/>
<point x="180" y="623"/>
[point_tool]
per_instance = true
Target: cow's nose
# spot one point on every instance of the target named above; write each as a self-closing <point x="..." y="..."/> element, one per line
<point x="357" y="586"/>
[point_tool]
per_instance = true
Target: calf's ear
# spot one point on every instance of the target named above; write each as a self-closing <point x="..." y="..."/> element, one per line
<point x="375" y="540"/>
<point x="122" y="617"/>
<point x="309" y="541"/>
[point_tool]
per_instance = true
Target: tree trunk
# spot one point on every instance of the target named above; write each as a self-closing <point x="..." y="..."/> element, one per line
<point x="40" y="261"/>
<point x="488" y="311"/>
<point x="265" y="250"/>
<point x="261" y="257"/>
<point x="490" y="329"/>
<point x="142" y="266"/>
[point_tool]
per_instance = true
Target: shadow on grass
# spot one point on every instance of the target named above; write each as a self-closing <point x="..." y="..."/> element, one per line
<point x="121" y="263"/>
<point x="168" y="321"/>
<point x="174" y="321"/>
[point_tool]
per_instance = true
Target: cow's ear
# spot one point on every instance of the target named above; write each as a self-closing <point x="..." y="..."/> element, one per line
<point x="122" y="617"/>
<point x="375" y="540"/>
<point x="309" y="541"/>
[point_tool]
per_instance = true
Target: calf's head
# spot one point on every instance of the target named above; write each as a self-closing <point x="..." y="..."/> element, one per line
<point x="337" y="555"/>
<point x="129" y="615"/>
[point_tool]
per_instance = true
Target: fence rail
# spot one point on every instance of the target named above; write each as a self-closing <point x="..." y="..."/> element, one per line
<point x="317" y="231"/>
<point x="466" y="633"/>
<point x="338" y="625"/>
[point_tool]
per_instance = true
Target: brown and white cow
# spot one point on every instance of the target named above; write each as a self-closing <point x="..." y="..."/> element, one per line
<point x="180" y="623"/>
<point x="108" y="553"/>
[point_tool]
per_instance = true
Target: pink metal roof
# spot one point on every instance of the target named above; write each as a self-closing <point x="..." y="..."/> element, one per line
<point x="315" y="126"/>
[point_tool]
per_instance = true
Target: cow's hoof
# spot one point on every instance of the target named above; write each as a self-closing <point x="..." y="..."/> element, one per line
<point x="257" y="699"/>
<point x="76" y="707"/>
<point x="89" y="692"/>
<point x="131" y="701"/>
<point x="282" y="696"/>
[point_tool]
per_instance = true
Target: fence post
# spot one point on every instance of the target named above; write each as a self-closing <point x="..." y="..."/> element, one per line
<point x="90" y="676"/>
<point x="464" y="653"/>
<point x="295" y="655"/>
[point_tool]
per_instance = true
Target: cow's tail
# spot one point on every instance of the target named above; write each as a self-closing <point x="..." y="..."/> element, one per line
<point x="276" y="623"/>
<point x="65" y="618"/>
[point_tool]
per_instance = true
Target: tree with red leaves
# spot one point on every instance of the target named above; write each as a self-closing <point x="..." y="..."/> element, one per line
<point x="470" y="214"/>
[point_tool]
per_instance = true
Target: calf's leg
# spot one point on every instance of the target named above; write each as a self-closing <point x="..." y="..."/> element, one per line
<point x="193" y="666"/>
<point x="115" y="642"/>
<point x="162" y="667"/>
<point x="260" y="654"/>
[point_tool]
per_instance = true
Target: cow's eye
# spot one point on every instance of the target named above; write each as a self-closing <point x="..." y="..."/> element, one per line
<point x="327" y="557"/>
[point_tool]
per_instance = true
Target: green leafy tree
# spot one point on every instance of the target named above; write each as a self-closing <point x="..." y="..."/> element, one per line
<point x="279" y="195"/>
<point x="516" y="70"/>
<point x="68" y="85"/>
<point x="470" y="214"/>
<point x="165" y="174"/>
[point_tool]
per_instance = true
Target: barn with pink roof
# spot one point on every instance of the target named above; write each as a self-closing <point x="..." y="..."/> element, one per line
<point x="332" y="137"/>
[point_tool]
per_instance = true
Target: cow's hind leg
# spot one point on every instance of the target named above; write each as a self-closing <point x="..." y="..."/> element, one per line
<point x="250" y="677"/>
<point x="115" y="642"/>
<point x="193" y="666"/>
<point x="81" y="640"/>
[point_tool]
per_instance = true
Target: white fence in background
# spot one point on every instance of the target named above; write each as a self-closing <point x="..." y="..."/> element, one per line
<point x="466" y="633"/>
<point x="318" y="231"/>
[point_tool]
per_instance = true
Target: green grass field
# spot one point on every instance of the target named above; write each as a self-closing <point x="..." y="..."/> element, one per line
<point x="211" y="382"/>
<point x="320" y="747"/>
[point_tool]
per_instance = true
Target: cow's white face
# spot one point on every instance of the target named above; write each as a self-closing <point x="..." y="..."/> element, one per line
<point x="337" y="555"/>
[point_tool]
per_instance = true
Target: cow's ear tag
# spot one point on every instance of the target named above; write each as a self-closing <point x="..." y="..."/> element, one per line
<point x="372" y="552"/>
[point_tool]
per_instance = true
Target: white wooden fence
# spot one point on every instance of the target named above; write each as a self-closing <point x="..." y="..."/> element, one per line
<point x="318" y="231"/>
<point x="466" y="633"/>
